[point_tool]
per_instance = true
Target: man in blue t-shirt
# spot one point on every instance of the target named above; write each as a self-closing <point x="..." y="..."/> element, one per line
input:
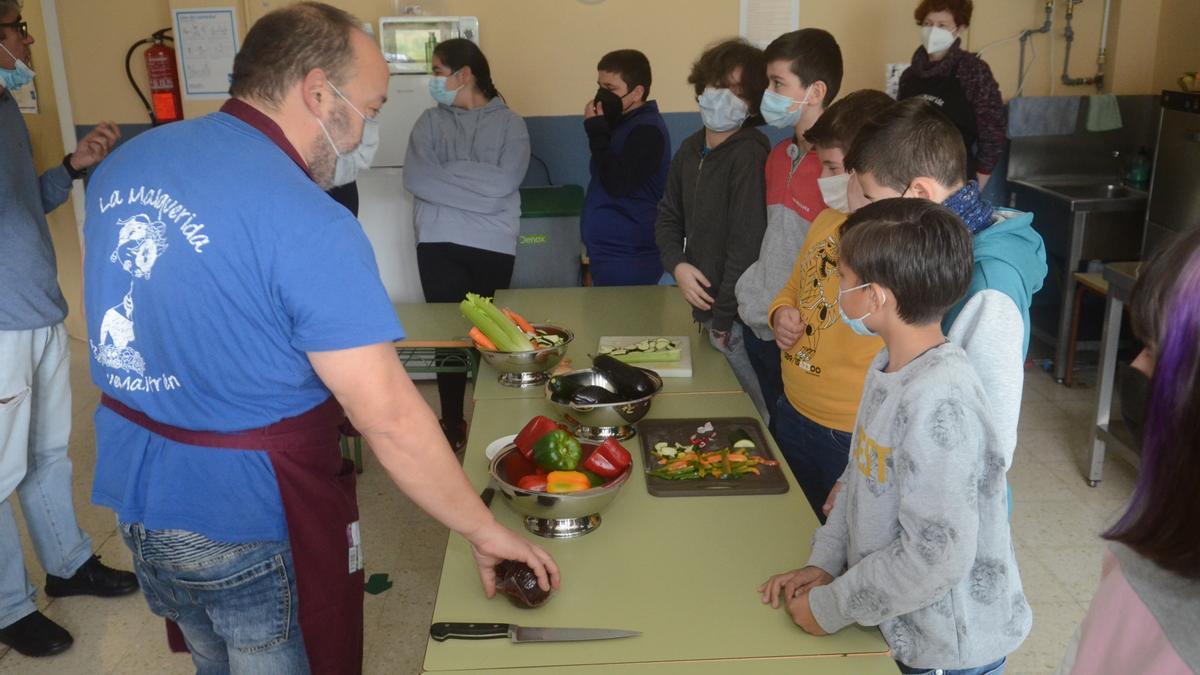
<point x="228" y="298"/>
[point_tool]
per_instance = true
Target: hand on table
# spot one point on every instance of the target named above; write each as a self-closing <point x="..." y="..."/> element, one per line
<point x="828" y="506"/>
<point x="802" y="614"/>
<point x="692" y="283"/>
<point x="790" y="583"/>
<point x="95" y="146"/>
<point x="788" y="327"/>
<point x="496" y="543"/>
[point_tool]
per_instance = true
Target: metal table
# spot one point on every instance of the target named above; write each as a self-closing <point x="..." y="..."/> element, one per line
<point x="1121" y="278"/>
<point x="435" y="339"/>
<point x="683" y="570"/>
<point x="593" y="312"/>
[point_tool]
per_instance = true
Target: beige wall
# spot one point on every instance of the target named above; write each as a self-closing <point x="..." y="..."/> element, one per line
<point x="46" y="136"/>
<point x="1179" y="45"/>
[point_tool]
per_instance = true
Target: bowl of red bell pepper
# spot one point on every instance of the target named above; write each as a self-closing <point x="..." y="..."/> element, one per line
<point x="557" y="481"/>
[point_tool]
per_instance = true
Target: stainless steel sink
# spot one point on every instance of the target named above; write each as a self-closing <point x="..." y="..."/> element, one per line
<point x="1091" y="190"/>
<point x="1084" y="193"/>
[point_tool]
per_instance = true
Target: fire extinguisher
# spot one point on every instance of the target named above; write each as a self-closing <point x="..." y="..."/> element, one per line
<point x="165" y="103"/>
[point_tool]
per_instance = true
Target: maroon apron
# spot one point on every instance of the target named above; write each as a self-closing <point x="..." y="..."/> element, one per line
<point x="316" y="486"/>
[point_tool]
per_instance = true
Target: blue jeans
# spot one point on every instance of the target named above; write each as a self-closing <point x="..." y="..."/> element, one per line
<point x="735" y="354"/>
<point x="625" y="271"/>
<point x="996" y="668"/>
<point x="235" y="603"/>
<point x="764" y="358"/>
<point x="816" y="455"/>
<point x="35" y="423"/>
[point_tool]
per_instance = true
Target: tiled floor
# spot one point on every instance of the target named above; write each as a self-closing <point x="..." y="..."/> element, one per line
<point x="1056" y="519"/>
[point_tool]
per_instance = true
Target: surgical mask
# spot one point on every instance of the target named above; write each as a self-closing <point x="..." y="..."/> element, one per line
<point x="351" y="163"/>
<point x="936" y="40"/>
<point x="721" y="110"/>
<point x="612" y="104"/>
<point x="437" y="89"/>
<point x="775" y="111"/>
<point x="835" y="191"/>
<point x="856" y="325"/>
<point x="16" y="77"/>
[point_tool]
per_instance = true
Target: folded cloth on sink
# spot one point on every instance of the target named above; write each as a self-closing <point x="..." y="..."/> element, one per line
<point x="1042" y="115"/>
<point x="1103" y="113"/>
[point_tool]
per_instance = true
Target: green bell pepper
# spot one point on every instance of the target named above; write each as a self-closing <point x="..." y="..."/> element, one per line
<point x="557" y="451"/>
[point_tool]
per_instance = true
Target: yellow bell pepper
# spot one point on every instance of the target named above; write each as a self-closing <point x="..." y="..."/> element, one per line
<point x="566" y="481"/>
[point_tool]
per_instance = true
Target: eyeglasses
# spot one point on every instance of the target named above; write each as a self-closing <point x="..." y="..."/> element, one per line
<point x="21" y="26"/>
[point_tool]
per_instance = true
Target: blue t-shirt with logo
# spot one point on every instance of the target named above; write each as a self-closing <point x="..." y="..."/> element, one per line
<point x="213" y="265"/>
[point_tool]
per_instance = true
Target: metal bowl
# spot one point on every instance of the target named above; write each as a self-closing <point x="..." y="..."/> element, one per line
<point x="527" y="369"/>
<point x="556" y="516"/>
<point x="604" y="420"/>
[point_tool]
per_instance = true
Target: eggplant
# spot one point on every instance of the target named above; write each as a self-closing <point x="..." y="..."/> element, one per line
<point x="594" y="395"/>
<point x="631" y="382"/>
<point x="562" y="389"/>
<point x="517" y="580"/>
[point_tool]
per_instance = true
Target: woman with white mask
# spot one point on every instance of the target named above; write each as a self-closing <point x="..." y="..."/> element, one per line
<point x="959" y="82"/>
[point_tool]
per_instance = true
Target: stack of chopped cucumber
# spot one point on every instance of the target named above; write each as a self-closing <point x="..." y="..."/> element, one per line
<point x="654" y="350"/>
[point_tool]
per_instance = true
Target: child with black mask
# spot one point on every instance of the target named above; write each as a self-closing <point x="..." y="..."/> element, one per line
<point x="631" y="154"/>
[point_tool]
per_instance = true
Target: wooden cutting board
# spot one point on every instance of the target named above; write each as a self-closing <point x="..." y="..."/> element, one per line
<point x="680" y="368"/>
<point x="770" y="482"/>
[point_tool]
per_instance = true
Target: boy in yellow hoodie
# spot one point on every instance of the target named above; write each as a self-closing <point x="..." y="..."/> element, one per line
<point x="824" y="363"/>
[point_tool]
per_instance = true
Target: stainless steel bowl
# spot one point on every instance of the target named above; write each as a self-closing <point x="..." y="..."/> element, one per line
<point x="556" y="516"/>
<point x="527" y="369"/>
<point x="604" y="420"/>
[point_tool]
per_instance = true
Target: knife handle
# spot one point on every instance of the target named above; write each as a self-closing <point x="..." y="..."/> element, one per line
<point x="468" y="631"/>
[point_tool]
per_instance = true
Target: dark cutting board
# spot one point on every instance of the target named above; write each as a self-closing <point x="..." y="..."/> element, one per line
<point x="770" y="482"/>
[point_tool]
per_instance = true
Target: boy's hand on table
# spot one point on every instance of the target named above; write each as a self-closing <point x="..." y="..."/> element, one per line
<point x="802" y="614"/>
<point x="692" y="283"/>
<point x="789" y="583"/>
<point x="788" y="327"/>
<point x="833" y="494"/>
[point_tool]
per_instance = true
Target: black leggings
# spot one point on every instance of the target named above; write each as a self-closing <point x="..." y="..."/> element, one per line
<point x="448" y="273"/>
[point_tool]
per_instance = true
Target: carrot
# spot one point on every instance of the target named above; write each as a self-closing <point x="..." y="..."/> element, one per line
<point x="520" y="321"/>
<point x="481" y="340"/>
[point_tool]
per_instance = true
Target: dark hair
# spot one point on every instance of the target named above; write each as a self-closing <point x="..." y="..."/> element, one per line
<point x="1160" y="523"/>
<point x="837" y="126"/>
<point x="631" y="65"/>
<point x="717" y="64"/>
<point x="960" y="9"/>
<point x="814" y="55"/>
<point x="10" y="6"/>
<point x="285" y="45"/>
<point x="918" y="250"/>
<point x="909" y="139"/>
<point x="457" y="53"/>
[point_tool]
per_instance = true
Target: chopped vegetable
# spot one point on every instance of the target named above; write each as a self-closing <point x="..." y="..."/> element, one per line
<point x="532" y="432"/>
<point x="504" y="334"/>
<point x="557" y="451"/>
<point x="654" y="350"/>
<point x="701" y="458"/>
<point x="559" y="482"/>
<point x="741" y="439"/>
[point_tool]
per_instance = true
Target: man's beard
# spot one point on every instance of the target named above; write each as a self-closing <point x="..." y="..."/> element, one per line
<point x="323" y="164"/>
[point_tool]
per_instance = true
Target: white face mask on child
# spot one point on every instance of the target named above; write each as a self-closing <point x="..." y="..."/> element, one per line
<point x="835" y="190"/>
<point x="722" y="110"/>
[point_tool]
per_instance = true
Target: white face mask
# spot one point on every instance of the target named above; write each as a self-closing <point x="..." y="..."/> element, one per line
<point x="721" y="110"/>
<point x="835" y="191"/>
<point x="936" y="40"/>
<point x="359" y="159"/>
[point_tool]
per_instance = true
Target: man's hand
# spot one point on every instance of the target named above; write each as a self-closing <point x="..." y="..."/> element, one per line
<point x="496" y="543"/>
<point x="802" y="614"/>
<point x="592" y="109"/>
<point x="789" y="583"/>
<point x="828" y="506"/>
<point x="692" y="283"/>
<point x="788" y="327"/>
<point x="95" y="146"/>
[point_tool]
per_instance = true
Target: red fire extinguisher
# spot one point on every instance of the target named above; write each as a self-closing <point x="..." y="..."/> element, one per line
<point x="165" y="104"/>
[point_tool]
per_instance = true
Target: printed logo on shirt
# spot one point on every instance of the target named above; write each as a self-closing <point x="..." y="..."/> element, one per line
<point x="936" y="100"/>
<point x="818" y="302"/>
<point x="141" y="241"/>
<point x="874" y="461"/>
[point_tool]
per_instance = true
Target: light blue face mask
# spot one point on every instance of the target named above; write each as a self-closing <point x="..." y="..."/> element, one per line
<point x="16" y="77"/>
<point x="437" y="89"/>
<point x="721" y="110"/>
<point x="774" y="109"/>
<point x="351" y="163"/>
<point x="856" y="325"/>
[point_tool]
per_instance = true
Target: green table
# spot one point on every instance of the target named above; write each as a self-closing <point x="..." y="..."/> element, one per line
<point x="684" y="571"/>
<point x="615" y="310"/>
<point x="834" y="665"/>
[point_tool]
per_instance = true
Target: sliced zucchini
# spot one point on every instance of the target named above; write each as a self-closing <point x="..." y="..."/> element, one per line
<point x="740" y="439"/>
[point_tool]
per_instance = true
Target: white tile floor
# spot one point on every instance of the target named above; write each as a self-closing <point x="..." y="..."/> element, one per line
<point x="1056" y="519"/>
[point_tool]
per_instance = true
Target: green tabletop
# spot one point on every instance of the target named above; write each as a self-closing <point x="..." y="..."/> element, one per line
<point x="836" y="665"/>
<point x="682" y="570"/>
<point x="432" y="324"/>
<point x="593" y="312"/>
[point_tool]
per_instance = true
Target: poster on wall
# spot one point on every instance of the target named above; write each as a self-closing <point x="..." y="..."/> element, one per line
<point x="205" y="43"/>
<point x="761" y="21"/>
<point x="26" y="98"/>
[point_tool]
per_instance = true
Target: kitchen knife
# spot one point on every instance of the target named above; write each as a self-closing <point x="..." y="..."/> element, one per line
<point x="519" y="634"/>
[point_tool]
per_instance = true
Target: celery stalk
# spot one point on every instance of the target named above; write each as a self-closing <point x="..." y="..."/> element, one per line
<point x="474" y="309"/>
<point x="514" y="332"/>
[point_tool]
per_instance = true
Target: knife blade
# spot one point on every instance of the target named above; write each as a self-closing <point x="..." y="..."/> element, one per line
<point x="488" y="493"/>
<point x="518" y="634"/>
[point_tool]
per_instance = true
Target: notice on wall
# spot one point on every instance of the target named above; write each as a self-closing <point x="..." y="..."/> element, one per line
<point x="891" y="78"/>
<point x="761" y="21"/>
<point x="26" y="98"/>
<point x="205" y="44"/>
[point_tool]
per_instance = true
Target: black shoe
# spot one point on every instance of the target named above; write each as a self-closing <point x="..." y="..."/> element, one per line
<point x="92" y="578"/>
<point x="36" y="635"/>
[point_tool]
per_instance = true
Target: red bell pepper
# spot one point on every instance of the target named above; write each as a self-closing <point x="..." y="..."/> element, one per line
<point x="609" y="459"/>
<point x="536" y="428"/>
<point x="532" y="483"/>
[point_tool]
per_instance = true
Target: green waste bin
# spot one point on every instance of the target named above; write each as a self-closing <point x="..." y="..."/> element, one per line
<point x="549" y="243"/>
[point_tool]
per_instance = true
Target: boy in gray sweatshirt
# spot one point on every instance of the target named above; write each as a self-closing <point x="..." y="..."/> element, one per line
<point x="919" y="542"/>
